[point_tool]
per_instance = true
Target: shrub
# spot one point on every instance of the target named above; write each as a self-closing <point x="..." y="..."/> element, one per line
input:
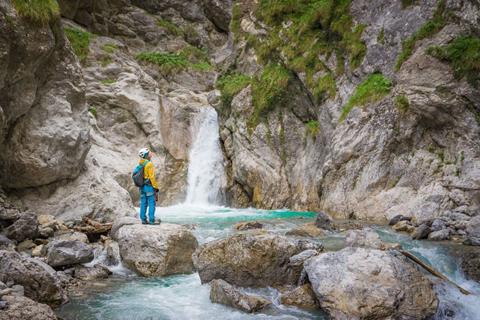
<point x="230" y="85"/>
<point x="38" y="11"/>
<point x="93" y="111"/>
<point x="269" y="89"/>
<point x="313" y="127"/>
<point x="402" y="103"/>
<point x="108" y="82"/>
<point x="381" y="36"/>
<point x="373" y="89"/>
<point x="407" y="3"/>
<point x="80" y="41"/>
<point x="463" y="54"/>
<point x="326" y="88"/>
<point x="170" y="27"/>
<point x="430" y="28"/>
<point x="166" y="61"/>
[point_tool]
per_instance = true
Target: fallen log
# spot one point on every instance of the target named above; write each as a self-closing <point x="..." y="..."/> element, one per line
<point x="432" y="270"/>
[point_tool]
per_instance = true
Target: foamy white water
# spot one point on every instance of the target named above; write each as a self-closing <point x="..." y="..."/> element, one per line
<point x="206" y="174"/>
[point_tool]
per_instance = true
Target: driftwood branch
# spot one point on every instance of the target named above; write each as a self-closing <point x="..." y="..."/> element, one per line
<point x="94" y="227"/>
<point x="432" y="270"/>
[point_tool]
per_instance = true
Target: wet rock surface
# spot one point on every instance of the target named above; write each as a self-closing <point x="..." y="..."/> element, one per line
<point x="251" y="259"/>
<point x="363" y="283"/>
<point x="157" y="250"/>
<point x="224" y="293"/>
<point x="22" y="308"/>
<point x="302" y="297"/>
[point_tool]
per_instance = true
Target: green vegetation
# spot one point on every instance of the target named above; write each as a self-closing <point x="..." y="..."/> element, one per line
<point x="186" y="58"/>
<point x="371" y="90"/>
<point x="268" y="90"/>
<point x="407" y="3"/>
<point x="402" y="103"/>
<point x="430" y="28"/>
<point x="381" y="36"/>
<point x="80" y="41"/>
<point x="313" y="127"/>
<point x="93" y="111"/>
<point x="463" y="54"/>
<point x="106" y="61"/>
<point x="303" y="35"/>
<point x="108" y="82"/>
<point x="109" y="48"/>
<point x="169" y="27"/>
<point x="326" y="88"/>
<point x="230" y="85"/>
<point x="38" y="11"/>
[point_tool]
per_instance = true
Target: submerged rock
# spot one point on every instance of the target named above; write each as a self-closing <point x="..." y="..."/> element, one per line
<point x="306" y="230"/>
<point x="251" y="259"/>
<point x="157" y="250"/>
<point x="68" y="252"/>
<point x="224" y="293"/>
<point x="23" y="308"/>
<point x="302" y="297"/>
<point x="247" y="225"/>
<point x="39" y="279"/>
<point x="358" y="283"/>
<point x="323" y="221"/>
<point x="367" y="238"/>
<point x="404" y="225"/>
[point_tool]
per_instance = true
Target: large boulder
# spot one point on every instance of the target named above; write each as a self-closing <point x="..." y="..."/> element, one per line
<point x="98" y="271"/>
<point x="157" y="250"/>
<point x="251" y="259"/>
<point x="306" y="230"/>
<point x="39" y="279"/>
<point x="367" y="238"/>
<point x="63" y="253"/>
<point x="224" y="293"/>
<point x="359" y="283"/>
<point x="25" y="227"/>
<point x="23" y="308"/>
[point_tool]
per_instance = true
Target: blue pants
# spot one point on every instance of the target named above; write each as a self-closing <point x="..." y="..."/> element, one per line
<point x="147" y="201"/>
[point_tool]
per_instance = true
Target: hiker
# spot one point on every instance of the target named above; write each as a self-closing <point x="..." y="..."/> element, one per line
<point x="148" y="185"/>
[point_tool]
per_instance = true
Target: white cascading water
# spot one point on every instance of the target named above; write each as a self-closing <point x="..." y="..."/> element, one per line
<point x="206" y="175"/>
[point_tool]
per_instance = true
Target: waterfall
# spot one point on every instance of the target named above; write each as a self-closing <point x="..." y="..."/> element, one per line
<point x="206" y="175"/>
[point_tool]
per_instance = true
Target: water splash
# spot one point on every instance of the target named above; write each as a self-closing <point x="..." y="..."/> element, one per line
<point x="206" y="174"/>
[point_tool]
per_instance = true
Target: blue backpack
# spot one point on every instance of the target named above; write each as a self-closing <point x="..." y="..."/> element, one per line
<point x="138" y="175"/>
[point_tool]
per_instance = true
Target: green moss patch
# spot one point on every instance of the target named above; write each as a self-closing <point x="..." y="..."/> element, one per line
<point x="381" y="36"/>
<point x="80" y="41"/>
<point x="109" y="48"/>
<point x="313" y="127"/>
<point x="93" y="111"/>
<point x="463" y="54"/>
<point x="169" y="27"/>
<point x="230" y="85"/>
<point x="269" y="89"/>
<point x="108" y="82"/>
<point x="430" y="28"/>
<point x="407" y="3"/>
<point x="402" y="103"/>
<point x="37" y="11"/>
<point x="371" y="90"/>
<point x="187" y="58"/>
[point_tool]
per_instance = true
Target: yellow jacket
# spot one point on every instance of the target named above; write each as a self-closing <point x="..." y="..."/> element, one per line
<point x="149" y="172"/>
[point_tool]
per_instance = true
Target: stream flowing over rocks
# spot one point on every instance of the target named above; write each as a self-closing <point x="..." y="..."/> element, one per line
<point x="300" y="148"/>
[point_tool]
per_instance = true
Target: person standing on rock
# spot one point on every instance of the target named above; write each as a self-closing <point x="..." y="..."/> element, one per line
<point x="148" y="187"/>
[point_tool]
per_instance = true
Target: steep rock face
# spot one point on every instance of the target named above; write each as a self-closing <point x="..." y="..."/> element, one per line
<point x="412" y="151"/>
<point x="44" y="135"/>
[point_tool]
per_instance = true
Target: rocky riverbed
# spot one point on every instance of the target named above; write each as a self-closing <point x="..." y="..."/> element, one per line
<point x="337" y="273"/>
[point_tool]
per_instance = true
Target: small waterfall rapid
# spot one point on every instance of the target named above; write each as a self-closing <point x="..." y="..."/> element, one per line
<point x="206" y="175"/>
